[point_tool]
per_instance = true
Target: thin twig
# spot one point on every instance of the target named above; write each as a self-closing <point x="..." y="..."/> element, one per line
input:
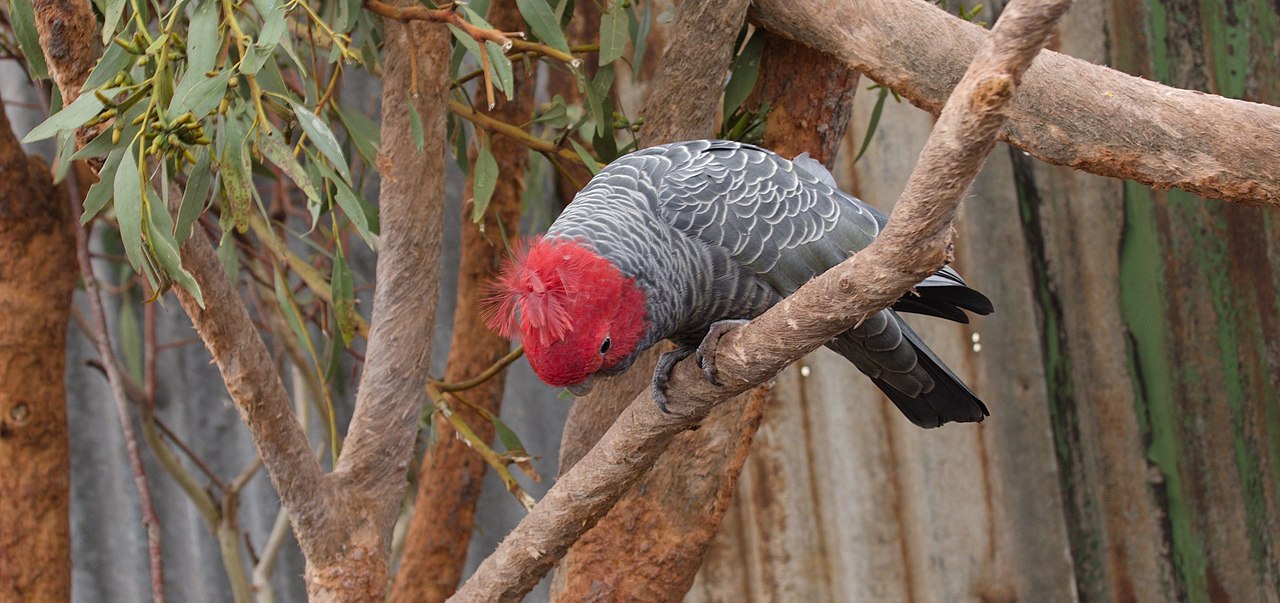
<point x="102" y="342"/>
<point x="439" y="15"/>
<point x="485" y="375"/>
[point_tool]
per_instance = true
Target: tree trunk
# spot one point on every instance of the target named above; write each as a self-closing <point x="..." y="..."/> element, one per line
<point x="37" y="276"/>
<point x="449" y="483"/>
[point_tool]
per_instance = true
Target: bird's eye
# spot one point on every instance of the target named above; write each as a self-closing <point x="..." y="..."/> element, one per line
<point x="604" y="347"/>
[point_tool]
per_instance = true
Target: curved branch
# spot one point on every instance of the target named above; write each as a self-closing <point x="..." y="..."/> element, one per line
<point x="440" y="15"/>
<point x="914" y="244"/>
<point x="1069" y="112"/>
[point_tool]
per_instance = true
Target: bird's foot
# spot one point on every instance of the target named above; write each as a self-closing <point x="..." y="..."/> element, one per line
<point x="706" y="353"/>
<point x="662" y="374"/>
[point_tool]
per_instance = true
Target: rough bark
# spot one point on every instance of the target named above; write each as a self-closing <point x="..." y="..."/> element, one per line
<point x="37" y="276"/>
<point x="67" y="30"/>
<point x="371" y="471"/>
<point x="699" y="33"/>
<point x="913" y="245"/>
<point x="451" y="476"/>
<point x="676" y="509"/>
<point x="1068" y="112"/>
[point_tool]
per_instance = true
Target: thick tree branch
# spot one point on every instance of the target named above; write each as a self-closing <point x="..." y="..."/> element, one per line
<point x="254" y="386"/>
<point x="439" y="15"/>
<point x="699" y="31"/>
<point x="449" y="481"/>
<point x="1068" y="112"/>
<point x="828" y="305"/>
<point x="68" y="32"/>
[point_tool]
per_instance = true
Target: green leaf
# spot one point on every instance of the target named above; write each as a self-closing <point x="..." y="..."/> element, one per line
<point x="415" y="126"/>
<point x="291" y="314"/>
<point x="227" y="255"/>
<point x="344" y="297"/>
<point x="202" y="96"/>
<point x="273" y="147"/>
<point x="323" y="138"/>
<point x="351" y="206"/>
<point x="362" y="131"/>
<point x="486" y="178"/>
<point x="504" y="76"/>
<point x="746" y="70"/>
<point x="598" y="99"/>
<point x="111" y="19"/>
<point x="543" y="22"/>
<point x="23" y="20"/>
<point x="203" y="44"/>
<point x="614" y="34"/>
<point x="237" y="182"/>
<point x="556" y="116"/>
<point x="194" y="197"/>
<point x="129" y="334"/>
<point x="873" y="123"/>
<point x="69" y="118"/>
<point x="166" y="253"/>
<point x="62" y="161"/>
<point x="100" y="193"/>
<point x="114" y="60"/>
<point x="640" y="40"/>
<point x="592" y="165"/>
<point x="273" y="28"/>
<point x="510" y="441"/>
<point x="128" y="199"/>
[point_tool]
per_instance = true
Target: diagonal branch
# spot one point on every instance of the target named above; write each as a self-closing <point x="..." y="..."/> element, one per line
<point x="1069" y="112"/>
<point x="914" y="244"/>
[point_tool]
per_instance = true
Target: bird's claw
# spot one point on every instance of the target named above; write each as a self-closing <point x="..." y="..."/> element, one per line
<point x="706" y="352"/>
<point x="662" y="374"/>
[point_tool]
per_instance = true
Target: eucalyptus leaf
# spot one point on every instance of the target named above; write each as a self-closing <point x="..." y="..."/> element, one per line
<point x="194" y="197"/>
<point x="69" y="118"/>
<point x="273" y="147"/>
<point x="598" y="98"/>
<point x="510" y="441"/>
<point x="504" y="75"/>
<point x="344" y="297"/>
<point x="350" y="204"/>
<point x="590" y="162"/>
<point x="166" y="253"/>
<point x="62" y="161"/>
<point x="556" y="116"/>
<point x="111" y="19"/>
<point x="114" y="60"/>
<point x="322" y="137"/>
<point x="614" y="34"/>
<point x="544" y="23"/>
<point x="640" y="40"/>
<point x="415" y="126"/>
<point x="362" y="131"/>
<point x="201" y="97"/>
<point x="23" y="20"/>
<point x="486" y="178"/>
<point x="203" y="44"/>
<point x="128" y="201"/>
<point x="237" y="182"/>
<point x="101" y="192"/>
<point x="746" y="71"/>
<point x="129" y="334"/>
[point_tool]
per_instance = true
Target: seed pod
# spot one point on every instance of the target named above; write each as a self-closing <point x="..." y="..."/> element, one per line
<point x="234" y="82"/>
<point x="138" y="120"/>
<point x="203" y="140"/>
<point x="115" y="136"/>
<point x="186" y="154"/>
<point x="173" y="141"/>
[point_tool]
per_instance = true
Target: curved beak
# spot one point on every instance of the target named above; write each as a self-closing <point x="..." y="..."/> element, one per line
<point x="583" y="388"/>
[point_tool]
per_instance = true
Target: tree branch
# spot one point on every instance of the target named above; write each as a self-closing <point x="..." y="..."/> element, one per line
<point x="418" y="12"/>
<point x="826" y="306"/>
<point x="1069" y="112"/>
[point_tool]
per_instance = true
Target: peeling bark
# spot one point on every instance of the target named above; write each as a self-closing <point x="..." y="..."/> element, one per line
<point x="1068" y="112"/>
<point x="37" y="276"/>
<point x="450" y="480"/>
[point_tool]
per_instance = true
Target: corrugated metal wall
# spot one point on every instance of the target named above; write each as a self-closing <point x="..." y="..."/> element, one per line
<point x="1131" y="369"/>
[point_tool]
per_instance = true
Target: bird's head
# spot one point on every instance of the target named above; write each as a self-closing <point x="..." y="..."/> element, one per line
<point x="575" y="312"/>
